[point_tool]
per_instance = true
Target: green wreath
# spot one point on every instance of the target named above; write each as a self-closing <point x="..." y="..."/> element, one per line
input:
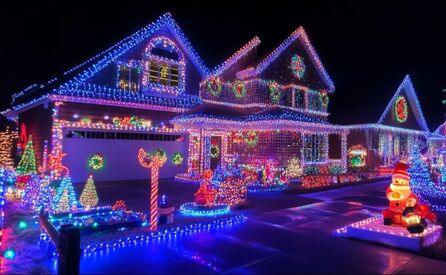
<point x="251" y="138"/>
<point x="177" y="158"/>
<point x="215" y="151"/>
<point x="324" y="99"/>
<point x="274" y="91"/>
<point x="214" y="85"/>
<point x="239" y="89"/>
<point x="96" y="162"/>
<point x="297" y="66"/>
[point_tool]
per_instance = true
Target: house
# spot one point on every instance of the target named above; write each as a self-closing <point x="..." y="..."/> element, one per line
<point x="151" y="90"/>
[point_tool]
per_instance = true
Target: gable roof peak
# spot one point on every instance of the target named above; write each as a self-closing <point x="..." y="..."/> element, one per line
<point x="406" y="86"/>
<point x="244" y="50"/>
<point x="118" y="49"/>
<point x="300" y="34"/>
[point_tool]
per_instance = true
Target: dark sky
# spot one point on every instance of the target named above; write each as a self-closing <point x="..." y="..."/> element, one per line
<point x="367" y="48"/>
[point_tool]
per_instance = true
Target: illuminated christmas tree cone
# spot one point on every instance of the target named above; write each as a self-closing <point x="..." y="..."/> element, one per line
<point x="89" y="197"/>
<point x="153" y="162"/>
<point x="405" y="208"/>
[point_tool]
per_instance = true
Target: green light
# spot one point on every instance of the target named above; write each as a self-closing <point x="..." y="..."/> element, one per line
<point x="9" y="254"/>
<point x="95" y="224"/>
<point x="23" y="225"/>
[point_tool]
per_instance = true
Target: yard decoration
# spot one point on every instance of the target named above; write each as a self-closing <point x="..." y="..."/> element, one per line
<point x="27" y="164"/>
<point x="154" y="162"/>
<point x="65" y="197"/>
<point x="206" y="194"/>
<point x="405" y="208"/>
<point x="89" y="196"/>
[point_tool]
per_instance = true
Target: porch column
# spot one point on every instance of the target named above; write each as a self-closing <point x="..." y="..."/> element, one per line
<point x="344" y="151"/>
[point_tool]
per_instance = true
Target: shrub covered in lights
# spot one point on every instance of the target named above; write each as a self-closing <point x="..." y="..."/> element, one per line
<point x="294" y="168"/>
<point x="335" y="169"/>
<point x="421" y="182"/>
<point x="101" y="218"/>
<point x="312" y="170"/>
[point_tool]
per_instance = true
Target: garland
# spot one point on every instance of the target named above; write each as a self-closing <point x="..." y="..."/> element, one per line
<point x="297" y="66"/>
<point x="274" y="91"/>
<point x="239" y="89"/>
<point x="214" y="85"/>
<point x="401" y="109"/>
<point x="236" y="137"/>
<point x="251" y="139"/>
<point x="131" y="121"/>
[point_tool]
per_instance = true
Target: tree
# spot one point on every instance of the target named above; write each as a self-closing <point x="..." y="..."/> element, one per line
<point x="89" y="196"/>
<point x="64" y="205"/>
<point x="420" y="178"/>
<point x="45" y="195"/>
<point x="421" y="183"/>
<point x="64" y="196"/>
<point x="27" y="164"/>
<point x="32" y="191"/>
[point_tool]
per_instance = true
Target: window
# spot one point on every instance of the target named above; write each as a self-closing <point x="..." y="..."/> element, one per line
<point x="123" y="135"/>
<point x="299" y="99"/>
<point x="334" y="146"/>
<point x="128" y="78"/>
<point x="161" y="72"/>
<point x="164" y="66"/>
<point x="314" y="148"/>
<point x="315" y="102"/>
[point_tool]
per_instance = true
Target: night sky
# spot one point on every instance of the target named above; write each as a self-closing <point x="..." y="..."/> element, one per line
<point x="366" y="48"/>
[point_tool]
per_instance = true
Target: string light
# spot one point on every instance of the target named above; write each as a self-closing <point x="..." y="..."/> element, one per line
<point x="192" y="209"/>
<point x="153" y="161"/>
<point x="177" y="231"/>
<point x="297" y="34"/>
<point x="65" y="198"/>
<point x="89" y="196"/>
<point x="400" y="109"/>
<point x="407" y="86"/>
<point x="7" y="141"/>
<point x="357" y="156"/>
<point x="27" y="164"/>
<point x="297" y="66"/>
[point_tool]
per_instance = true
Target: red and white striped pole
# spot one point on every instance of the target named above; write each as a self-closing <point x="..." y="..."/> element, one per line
<point x="154" y="197"/>
<point x="152" y="162"/>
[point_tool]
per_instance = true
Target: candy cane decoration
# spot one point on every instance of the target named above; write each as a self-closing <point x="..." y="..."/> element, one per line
<point x="153" y="162"/>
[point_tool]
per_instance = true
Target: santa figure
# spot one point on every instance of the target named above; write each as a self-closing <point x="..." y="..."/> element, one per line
<point x="405" y="208"/>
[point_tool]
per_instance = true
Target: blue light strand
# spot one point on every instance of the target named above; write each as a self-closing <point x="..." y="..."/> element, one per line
<point x="422" y="185"/>
<point x="191" y="209"/>
<point x="129" y="42"/>
<point x="87" y="90"/>
<point x="259" y="188"/>
<point x="180" y="230"/>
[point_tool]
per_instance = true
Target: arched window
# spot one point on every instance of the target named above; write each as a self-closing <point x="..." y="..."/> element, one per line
<point x="164" y="66"/>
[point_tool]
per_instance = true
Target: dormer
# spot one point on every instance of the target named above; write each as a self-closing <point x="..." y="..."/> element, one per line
<point x="164" y="67"/>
